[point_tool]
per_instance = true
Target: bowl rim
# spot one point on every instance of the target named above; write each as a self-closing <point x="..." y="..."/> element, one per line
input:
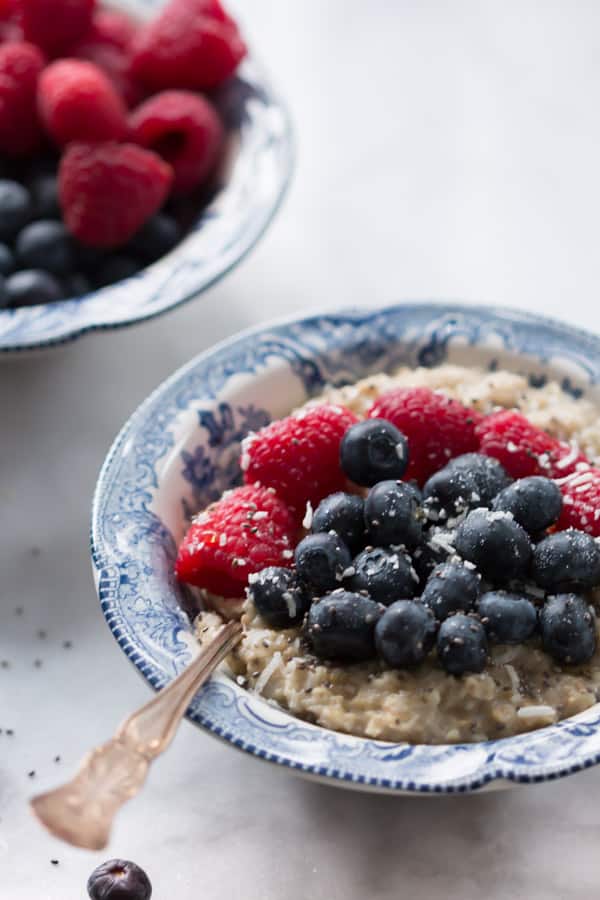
<point x="489" y="773"/>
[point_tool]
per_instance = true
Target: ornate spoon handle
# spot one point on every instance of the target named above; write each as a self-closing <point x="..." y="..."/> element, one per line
<point x="81" y="812"/>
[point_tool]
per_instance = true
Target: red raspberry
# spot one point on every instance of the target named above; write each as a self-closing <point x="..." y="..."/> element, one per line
<point x="187" y="46"/>
<point x="108" y="191"/>
<point x="438" y="428"/>
<point x="114" y="62"/>
<point x="185" y="130"/>
<point x="299" y="456"/>
<point x="77" y="102"/>
<point x="245" y="531"/>
<point x="55" y="25"/>
<point x="522" y="448"/>
<point x="20" y="67"/>
<point x="113" y="28"/>
<point x="581" y="501"/>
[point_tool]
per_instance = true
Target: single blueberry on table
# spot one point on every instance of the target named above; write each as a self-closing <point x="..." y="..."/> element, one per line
<point x="342" y="626"/>
<point x="385" y="573"/>
<point x="508" y="618"/>
<point x="568" y="627"/>
<point x="278" y="596"/>
<point x="119" y="879"/>
<point x="7" y="260"/>
<point x="393" y="515"/>
<point x="535" y="502"/>
<point x="15" y="208"/>
<point x="344" y="514"/>
<point x="373" y="450"/>
<point x="567" y="560"/>
<point x="405" y="633"/>
<point x="466" y="482"/>
<point x="115" y="268"/>
<point x="45" y="245"/>
<point x="496" y="544"/>
<point x="30" y="287"/>
<point x="462" y="644"/>
<point x="156" y="238"/>
<point x="451" y="587"/>
<point x="321" y="560"/>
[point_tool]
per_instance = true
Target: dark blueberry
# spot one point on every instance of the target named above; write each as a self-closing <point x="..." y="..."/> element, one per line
<point x="462" y="644"/>
<point x="426" y="557"/>
<point x="156" y="238"/>
<point x="32" y="286"/>
<point x="507" y="618"/>
<point x="321" y="560"/>
<point x="342" y="626"/>
<point x="467" y="482"/>
<point x="119" y="879"/>
<point x="568" y="626"/>
<point x="15" y="208"/>
<point x="452" y="587"/>
<point x="386" y="574"/>
<point x="393" y="514"/>
<point x="405" y="633"/>
<point x="535" y="502"/>
<point x="496" y="544"/>
<point x="89" y="259"/>
<point x="567" y="560"/>
<point x="344" y="514"/>
<point x="4" y="300"/>
<point x="44" y="193"/>
<point x="278" y="596"/>
<point x="45" y="245"/>
<point x="373" y="450"/>
<point x="76" y="285"/>
<point x="115" y="268"/>
<point x="7" y="260"/>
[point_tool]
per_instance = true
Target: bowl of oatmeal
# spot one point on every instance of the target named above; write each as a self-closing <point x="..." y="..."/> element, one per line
<point x="526" y="710"/>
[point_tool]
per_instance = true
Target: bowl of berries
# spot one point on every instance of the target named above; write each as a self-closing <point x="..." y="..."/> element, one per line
<point x="402" y="507"/>
<point x="143" y="152"/>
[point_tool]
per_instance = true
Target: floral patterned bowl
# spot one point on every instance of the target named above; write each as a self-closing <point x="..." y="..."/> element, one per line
<point x="260" y="163"/>
<point x="180" y="450"/>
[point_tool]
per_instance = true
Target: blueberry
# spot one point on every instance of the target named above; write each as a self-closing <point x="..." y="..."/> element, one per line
<point x="32" y="286"/>
<point x="7" y="260"/>
<point x="451" y="587"/>
<point x="76" y="285"/>
<point x="4" y="300"/>
<point x="507" y="618"/>
<point x="426" y="557"/>
<point x="535" y="502"/>
<point x="321" y="560"/>
<point x="119" y="879"/>
<point x="45" y="245"/>
<point x="568" y="626"/>
<point x="372" y="451"/>
<point x="344" y="514"/>
<point x="15" y="208"/>
<point x="567" y="560"/>
<point x="115" y="268"/>
<point x="462" y="644"/>
<point x="342" y="626"/>
<point x="89" y="259"/>
<point x="386" y="574"/>
<point x="278" y="596"/>
<point x="405" y="633"/>
<point x="156" y="238"/>
<point x="44" y="193"/>
<point x="393" y="514"/>
<point x="467" y="482"/>
<point x="495" y="544"/>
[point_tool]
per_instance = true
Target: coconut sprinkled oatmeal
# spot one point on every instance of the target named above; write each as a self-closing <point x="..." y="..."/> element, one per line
<point x="421" y="563"/>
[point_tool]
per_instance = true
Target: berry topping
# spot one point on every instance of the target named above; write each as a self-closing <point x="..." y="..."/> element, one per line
<point x="30" y="287"/>
<point x="452" y="587"/>
<point x="567" y="560"/>
<point x="344" y="514"/>
<point x="462" y="645"/>
<point x="466" y="482"/>
<point x="55" y="25"/>
<point x="245" y="531"/>
<point x="342" y="626"/>
<point x="115" y="64"/>
<point x="535" y="502"/>
<point x="119" y="879"/>
<point x="495" y="544"/>
<point x="117" y="267"/>
<point x="278" y="596"/>
<point x="44" y="193"/>
<point x="427" y="556"/>
<point x="7" y="260"/>
<point x="507" y="618"/>
<point x="15" y="208"/>
<point x="437" y="427"/>
<point x="108" y="191"/>
<point x="45" y="245"/>
<point x="568" y="627"/>
<point x="299" y="455"/>
<point x="581" y="502"/>
<point x="321" y="561"/>
<point x="393" y="514"/>
<point x="20" y="67"/>
<point x="372" y="451"/>
<point x="385" y="573"/>
<point x="112" y="27"/>
<point x="156" y="238"/>
<point x="185" y="130"/>
<point x="78" y="102"/>
<point x="405" y="633"/>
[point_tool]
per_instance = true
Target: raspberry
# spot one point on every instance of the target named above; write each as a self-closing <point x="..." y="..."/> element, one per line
<point x="55" y="25"/>
<point x="77" y="102"/>
<point x="20" y="68"/>
<point x="438" y="428"/>
<point x="299" y="456"/>
<point x="108" y="191"/>
<point x="185" y="130"/>
<point x="245" y="531"/>
<point x="522" y="448"/>
<point x="113" y="28"/>
<point x="187" y="46"/>
<point x="581" y="501"/>
<point x="114" y="62"/>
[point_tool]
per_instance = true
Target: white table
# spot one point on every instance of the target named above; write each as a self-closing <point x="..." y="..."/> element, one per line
<point x="445" y="150"/>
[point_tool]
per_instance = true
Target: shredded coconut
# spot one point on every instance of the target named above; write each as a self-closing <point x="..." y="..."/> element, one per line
<point x="268" y="671"/>
<point x="290" y="602"/>
<point x="222" y="539"/>
<point x="536" y="712"/>
<point x="308" y="516"/>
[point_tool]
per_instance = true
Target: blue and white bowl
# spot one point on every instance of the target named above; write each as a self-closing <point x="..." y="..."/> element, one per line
<point x="180" y="450"/>
<point x="262" y="156"/>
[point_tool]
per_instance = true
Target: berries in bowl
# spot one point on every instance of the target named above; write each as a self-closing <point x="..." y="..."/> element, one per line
<point x="126" y="154"/>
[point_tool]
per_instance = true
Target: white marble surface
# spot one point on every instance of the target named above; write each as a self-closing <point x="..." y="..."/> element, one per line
<point x="445" y="150"/>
